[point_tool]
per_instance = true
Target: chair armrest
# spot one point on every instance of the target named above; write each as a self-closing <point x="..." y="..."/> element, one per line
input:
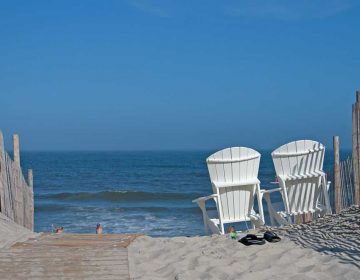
<point x="275" y="218"/>
<point x="201" y="202"/>
<point x="204" y="198"/>
<point x="271" y="190"/>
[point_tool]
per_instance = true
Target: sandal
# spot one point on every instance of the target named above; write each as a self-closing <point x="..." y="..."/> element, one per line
<point x="252" y="239"/>
<point x="271" y="237"/>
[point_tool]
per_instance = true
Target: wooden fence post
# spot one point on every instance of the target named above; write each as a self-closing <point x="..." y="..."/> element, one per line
<point x="357" y="187"/>
<point x="16" y="147"/>
<point x="2" y="149"/>
<point x="2" y="173"/>
<point x="337" y="174"/>
<point x="30" y="178"/>
<point x="30" y="202"/>
<point x="356" y="147"/>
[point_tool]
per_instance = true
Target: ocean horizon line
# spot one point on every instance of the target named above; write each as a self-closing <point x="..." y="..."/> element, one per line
<point x="346" y="149"/>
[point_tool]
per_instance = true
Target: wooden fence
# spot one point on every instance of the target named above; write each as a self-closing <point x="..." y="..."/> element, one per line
<point x="16" y="195"/>
<point x="347" y="193"/>
<point x="345" y="176"/>
<point x="345" y="197"/>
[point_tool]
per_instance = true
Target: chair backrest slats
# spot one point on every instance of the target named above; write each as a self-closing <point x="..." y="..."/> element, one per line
<point x="235" y="154"/>
<point x="227" y="165"/>
<point x="236" y="166"/>
<point x="300" y="164"/>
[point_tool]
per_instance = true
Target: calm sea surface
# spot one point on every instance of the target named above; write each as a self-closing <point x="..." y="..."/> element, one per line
<point x="144" y="192"/>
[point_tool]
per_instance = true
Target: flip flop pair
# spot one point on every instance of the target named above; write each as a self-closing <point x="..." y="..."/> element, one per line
<point x="252" y="239"/>
<point x="271" y="237"/>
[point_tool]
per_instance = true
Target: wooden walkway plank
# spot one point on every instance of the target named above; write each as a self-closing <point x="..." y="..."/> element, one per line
<point x="68" y="256"/>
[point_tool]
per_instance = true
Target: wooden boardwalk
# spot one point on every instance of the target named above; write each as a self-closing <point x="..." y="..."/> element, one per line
<point x="68" y="256"/>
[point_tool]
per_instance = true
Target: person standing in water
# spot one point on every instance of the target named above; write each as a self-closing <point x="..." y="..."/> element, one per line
<point x="99" y="229"/>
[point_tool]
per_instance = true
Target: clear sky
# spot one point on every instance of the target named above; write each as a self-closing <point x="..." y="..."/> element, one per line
<point x="140" y="75"/>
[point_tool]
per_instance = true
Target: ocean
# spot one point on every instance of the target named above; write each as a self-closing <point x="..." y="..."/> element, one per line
<point x="127" y="192"/>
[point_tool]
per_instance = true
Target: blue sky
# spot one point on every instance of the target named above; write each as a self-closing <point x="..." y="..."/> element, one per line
<point x="140" y="75"/>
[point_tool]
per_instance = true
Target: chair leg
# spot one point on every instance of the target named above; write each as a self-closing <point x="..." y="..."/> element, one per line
<point x="222" y="228"/>
<point x="205" y="218"/>
<point x="270" y="210"/>
<point x="274" y="216"/>
<point x="253" y="225"/>
<point x="326" y="196"/>
<point x="206" y="228"/>
<point x="260" y="205"/>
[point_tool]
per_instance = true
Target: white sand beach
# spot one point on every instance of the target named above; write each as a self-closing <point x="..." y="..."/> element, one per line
<point x="216" y="257"/>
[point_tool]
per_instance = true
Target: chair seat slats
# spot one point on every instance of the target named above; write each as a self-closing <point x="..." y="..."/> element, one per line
<point x="314" y="174"/>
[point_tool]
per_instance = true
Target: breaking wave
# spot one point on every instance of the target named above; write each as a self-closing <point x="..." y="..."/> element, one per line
<point x="119" y="196"/>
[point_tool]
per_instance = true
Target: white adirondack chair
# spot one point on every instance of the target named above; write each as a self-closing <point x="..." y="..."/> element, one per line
<point x="233" y="174"/>
<point x="302" y="182"/>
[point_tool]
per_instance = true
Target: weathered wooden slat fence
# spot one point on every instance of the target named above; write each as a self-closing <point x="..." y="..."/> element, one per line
<point x="16" y="195"/>
<point x="344" y="196"/>
<point x="345" y="176"/>
<point x="347" y="183"/>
